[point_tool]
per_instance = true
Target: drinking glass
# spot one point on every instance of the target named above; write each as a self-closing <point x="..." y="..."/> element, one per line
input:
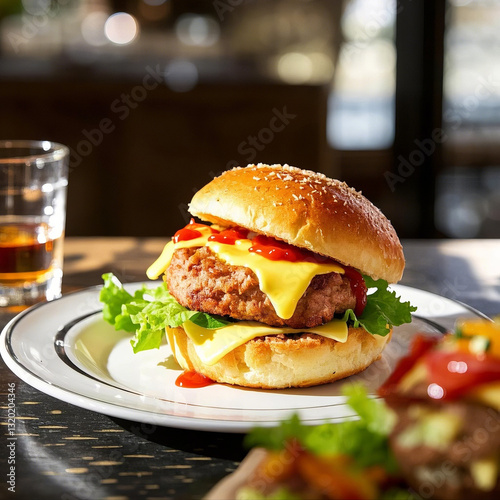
<point x="33" y="181"/>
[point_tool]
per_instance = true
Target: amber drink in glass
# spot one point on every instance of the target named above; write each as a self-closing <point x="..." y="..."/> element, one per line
<point x="33" y="182"/>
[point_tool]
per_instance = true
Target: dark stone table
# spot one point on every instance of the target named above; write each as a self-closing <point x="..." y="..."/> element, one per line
<point x="69" y="453"/>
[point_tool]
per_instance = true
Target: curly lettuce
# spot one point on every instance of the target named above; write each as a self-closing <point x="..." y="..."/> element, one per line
<point x="383" y="310"/>
<point x="148" y="311"/>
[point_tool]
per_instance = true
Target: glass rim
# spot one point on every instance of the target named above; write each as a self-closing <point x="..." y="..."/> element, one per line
<point x="49" y="151"/>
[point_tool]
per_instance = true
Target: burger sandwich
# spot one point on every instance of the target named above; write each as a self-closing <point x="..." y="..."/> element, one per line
<point x="283" y="283"/>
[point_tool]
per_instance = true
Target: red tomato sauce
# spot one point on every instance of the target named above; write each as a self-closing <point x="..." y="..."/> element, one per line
<point x="186" y="234"/>
<point x="229" y="236"/>
<point x="279" y="250"/>
<point x="358" y="289"/>
<point x="190" y="232"/>
<point x="192" y="380"/>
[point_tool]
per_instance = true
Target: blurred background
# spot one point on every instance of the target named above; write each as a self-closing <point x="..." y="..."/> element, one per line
<point x="155" y="97"/>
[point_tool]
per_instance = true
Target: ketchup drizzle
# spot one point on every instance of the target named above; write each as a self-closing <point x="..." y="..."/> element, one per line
<point x="229" y="236"/>
<point x="192" y="380"/>
<point x="358" y="288"/>
<point x="190" y="232"/>
<point x="186" y="234"/>
<point x="272" y="249"/>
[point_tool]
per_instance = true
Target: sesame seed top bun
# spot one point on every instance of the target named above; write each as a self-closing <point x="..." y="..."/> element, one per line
<point x="305" y="209"/>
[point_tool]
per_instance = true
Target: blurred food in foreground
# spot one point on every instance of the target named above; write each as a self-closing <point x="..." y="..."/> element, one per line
<point x="446" y="395"/>
<point x="436" y="434"/>
<point x="330" y="461"/>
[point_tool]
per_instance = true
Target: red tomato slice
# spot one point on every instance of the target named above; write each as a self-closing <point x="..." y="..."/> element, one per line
<point x="457" y="372"/>
<point x="420" y="345"/>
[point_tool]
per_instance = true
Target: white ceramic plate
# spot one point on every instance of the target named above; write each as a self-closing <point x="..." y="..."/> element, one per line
<point x="65" y="349"/>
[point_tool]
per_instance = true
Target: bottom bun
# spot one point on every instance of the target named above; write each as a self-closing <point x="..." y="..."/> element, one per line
<point x="277" y="362"/>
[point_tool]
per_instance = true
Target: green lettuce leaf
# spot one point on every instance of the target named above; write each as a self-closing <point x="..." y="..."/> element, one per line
<point x="114" y="296"/>
<point x="275" y="438"/>
<point x="378" y="418"/>
<point x="148" y="312"/>
<point x="383" y="309"/>
<point x="365" y="439"/>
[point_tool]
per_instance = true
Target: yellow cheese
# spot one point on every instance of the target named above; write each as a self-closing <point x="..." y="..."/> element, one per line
<point x="413" y="377"/>
<point x="160" y="265"/>
<point x="213" y="344"/>
<point x="487" y="394"/>
<point x="282" y="281"/>
<point x="484" y="472"/>
<point x="483" y="328"/>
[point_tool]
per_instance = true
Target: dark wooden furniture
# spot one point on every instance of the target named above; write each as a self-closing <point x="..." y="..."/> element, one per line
<point x="139" y="149"/>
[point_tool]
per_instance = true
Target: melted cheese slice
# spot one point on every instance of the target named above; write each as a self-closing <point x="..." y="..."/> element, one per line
<point x="213" y="344"/>
<point x="159" y="266"/>
<point x="282" y="281"/>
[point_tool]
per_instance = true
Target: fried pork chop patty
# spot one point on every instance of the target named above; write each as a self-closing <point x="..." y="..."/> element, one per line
<point x="200" y="281"/>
